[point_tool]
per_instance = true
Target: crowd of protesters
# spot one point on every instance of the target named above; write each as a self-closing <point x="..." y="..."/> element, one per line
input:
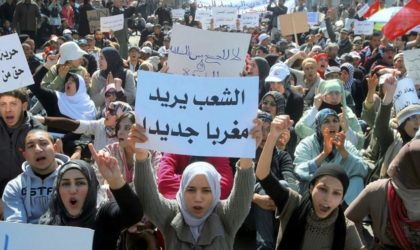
<point x="334" y="153"/>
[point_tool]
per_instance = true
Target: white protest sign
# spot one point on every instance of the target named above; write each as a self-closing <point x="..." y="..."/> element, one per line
<point x="200" y="116"/>
<point x="14" y="69"/>
<point x="363" y="27"/>
<point x="250" y="19"/>
<point x="204" y="16"/>
<point x="363" y="10"/>
<point x="20" y="236"/>
<point x="113" y="23"/>
<point x="349" y="24"/>
<point x="416" y="29"/>
<point x="178" y="14"/>
<point x="405" y="94"/>
<point x="199" y="52"/>
<point x="313" y="18"/>
<point x="225" y="16"/>
<point x="412" y="64"/>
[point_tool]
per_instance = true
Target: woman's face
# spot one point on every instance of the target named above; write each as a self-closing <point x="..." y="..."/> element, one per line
<point x="344" y="75"/>
<point x="327" y="194"/>
<point x="253" y="70"/>
<point x="110" y="117"/>
<point x="73" y="189"/>
<point x="309" y="71"/>
<point x="103" y="65"/>
<point x="332" y="98"/>
<point x="332" y="123"/>
<point x="70" y="87"/>
<point x="277" y="86"/>
<point x="198" y="196"/>
<point x="124" y="129"/>
<point x="412" y="125"/>
<point x="269" y="105"/>
<point x="322" y="64"/>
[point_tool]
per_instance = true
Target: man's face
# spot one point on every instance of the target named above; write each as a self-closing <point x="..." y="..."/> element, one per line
<point x="98" y="35"/>
<point x="27" y="50"/>
<point x="39" y="152"/>
<point x="375" y="41"/>
<point x="11" y="110"/>
<point x="343" y="36"/>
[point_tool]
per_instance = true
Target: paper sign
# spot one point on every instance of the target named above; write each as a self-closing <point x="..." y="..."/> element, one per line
<point x="200" y="116"/>
<point x="20" y="236"/>
<point x="313" y="18"/>
<point x="204" y="16"/>
<point x="349" y="24"/>
<point x="224" y="16"/>
<point x="178" y="14"/>
<point x="250" y="19"/>
<point x="412" y="64"/>
<point x="199" y="52"/>
<point x="113" y="23"/>
<point x="405" y="94"/>
<point x="294" y="23"/>
<point x="363" y="27"/>
<point x="14" y="69"/>
<point x="94" y="18"/>
<point x="416" y="29"/>
<point x="363" y="10"/>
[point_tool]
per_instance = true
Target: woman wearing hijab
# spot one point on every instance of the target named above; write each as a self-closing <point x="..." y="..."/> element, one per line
<point x="393" y="203"/>
<point x="259" y="67"/>
<point x="197" y="218"/>
<point x="74" y="201"/>
<point x="353" y="86"/>
<point x="110" y="67"/>
<point x="316" y="220"/>
<point x="331" y="95"/>
<point x="329" y="145"/>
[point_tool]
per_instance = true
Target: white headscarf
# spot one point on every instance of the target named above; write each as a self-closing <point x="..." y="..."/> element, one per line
<point x="79" y="106"/>
<point x="213" y="178"/>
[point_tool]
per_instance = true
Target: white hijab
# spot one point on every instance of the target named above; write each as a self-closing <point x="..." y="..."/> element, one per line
<point x="213" y="178"/>
<point x="79" y="106"/>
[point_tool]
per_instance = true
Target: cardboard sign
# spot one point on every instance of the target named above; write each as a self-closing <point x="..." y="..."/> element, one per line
<point x="405" y="94"/>
<point x="200" y="116"/>
<point x="412" y="64"/>
<point x="20" y="236"/>
<point x="224" y="16"/>
<point x="363" y="27"/>
<point x="250" y="19"/>
<point x="113" y="23"/>
<point x="14" y="69"/>
<point x="294" y="23"/>
<point x="178" y="14"/>
<point x="199" y="52"/>
<point x="94" y="16"/>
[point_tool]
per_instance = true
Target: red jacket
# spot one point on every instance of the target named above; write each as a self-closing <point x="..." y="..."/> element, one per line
<point x="172" y="166"/>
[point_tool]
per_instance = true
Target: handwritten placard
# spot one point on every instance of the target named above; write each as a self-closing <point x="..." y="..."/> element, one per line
<point x="363" y="27"/>
<point x="178" y="13"/>
<point x="313" y="18"/>
<point x="224" y="16"/>
<point x="113" y="23"/>
<point x="199" y="52"/>
<point x="94" y="17"/>
<point x="412" y="64"/>
<point x="349" y="24"/>
<point x="204" y="16"/>
<point x="405" y="94"/>
<point x="293" y="23"/>
<point x="20" y="236"/>
<point x="250" y="19"/>
<point x="14" y="69"/>
<point x="363" y="10"/>
<point x="200" y="116"/>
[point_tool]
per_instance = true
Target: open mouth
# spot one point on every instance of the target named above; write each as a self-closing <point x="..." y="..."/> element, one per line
<point x="9" y="118"/>
<point x="38" y="159"/>
<point x="73" y="201"/>
<point x="324" y="208"/>
<point x="198" y="209"/>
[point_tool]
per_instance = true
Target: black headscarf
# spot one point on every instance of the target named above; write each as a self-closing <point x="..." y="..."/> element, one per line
<point x="263" y="70"/>
<point x="57" y="213"/>
<point x="114" y="62"/>
<point x="295" y="230"/>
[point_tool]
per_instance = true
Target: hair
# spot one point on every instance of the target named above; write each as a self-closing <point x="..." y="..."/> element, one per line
<point x="131" y="117"/>
<point x="36" y="130"/>
<point x="20" y="94"/>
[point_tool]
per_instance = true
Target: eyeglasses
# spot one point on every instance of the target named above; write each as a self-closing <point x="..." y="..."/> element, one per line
<point x="272" y="104"/>
<point x="110" y="93"/>
<point x="112" y="111"/>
